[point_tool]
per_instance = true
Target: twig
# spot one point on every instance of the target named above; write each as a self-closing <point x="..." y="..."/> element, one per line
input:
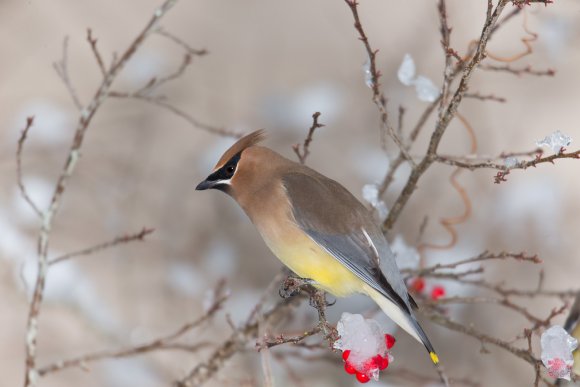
<point x="234" y="344"/>
<point x="156" y="101"/>
<point x="93" y="42"/>
<point x="377" y="95"/>
<point x="284" y="339"/>
<point x="445" y="43"/>
<point x="188" y="49"/>
<point x="485" y="97"/>
<point x="165" y="342"/>
<point x="302" y="155"/>
<point x="528" y="70"/>
<point x="446" y="118"/>
<point x="61" y="68"/>
<point x="490" y="164"/>
<point x="86" y="116"/>
<point x="19" y="178"/>
<point x="412" y="137"/>
<point x="484" y="338"/>
<point x="400" y="125"/>
<point x="485" y="256"/>
<point x="102" y="246"/>
<point x="155" y="82"/>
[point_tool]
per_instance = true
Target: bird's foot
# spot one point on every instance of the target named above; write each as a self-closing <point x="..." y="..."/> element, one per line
<point x="319" y="298"/>
<point x="292" y="286"/>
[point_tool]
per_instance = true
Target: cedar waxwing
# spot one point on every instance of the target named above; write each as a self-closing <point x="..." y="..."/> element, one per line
<point x="316" y="228"/>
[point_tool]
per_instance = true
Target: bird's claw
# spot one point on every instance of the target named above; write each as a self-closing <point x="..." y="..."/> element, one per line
<point x="292" y="286"/>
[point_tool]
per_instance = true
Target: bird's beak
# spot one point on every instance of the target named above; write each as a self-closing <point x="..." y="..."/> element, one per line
<point x="206" y="184"/>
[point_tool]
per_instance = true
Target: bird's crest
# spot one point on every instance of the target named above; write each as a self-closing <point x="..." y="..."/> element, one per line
<point x="245" y="142"/>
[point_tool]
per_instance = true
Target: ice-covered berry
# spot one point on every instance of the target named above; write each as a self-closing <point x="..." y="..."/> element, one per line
<point x="349" y="368"/>
<point x="389" y="341"/>
<point x="363" y="378"/>
<point x="345" y="354"/>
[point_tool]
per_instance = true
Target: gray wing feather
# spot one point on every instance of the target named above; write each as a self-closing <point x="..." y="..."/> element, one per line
<point x="337" y="222"/>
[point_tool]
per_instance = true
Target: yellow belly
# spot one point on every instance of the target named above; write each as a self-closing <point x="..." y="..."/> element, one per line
<point x="305" y="258"/>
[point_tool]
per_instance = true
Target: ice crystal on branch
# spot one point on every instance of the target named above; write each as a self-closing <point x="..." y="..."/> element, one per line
<point x="368" y="74"/>
<point x="557" y="347"/>
<point x="510" y="162"/>
<point x="556" y="141"/>
<point x="406" y="73"/>
<point x="424" y="87"/>
<point x="407" y="257"/>
<point x="370" y="193"/>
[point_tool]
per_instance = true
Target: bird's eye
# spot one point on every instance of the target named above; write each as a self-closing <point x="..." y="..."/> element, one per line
<point x="230" y="170"/>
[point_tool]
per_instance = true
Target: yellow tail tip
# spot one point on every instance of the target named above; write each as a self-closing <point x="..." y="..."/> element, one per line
<point x="434" y="357"/>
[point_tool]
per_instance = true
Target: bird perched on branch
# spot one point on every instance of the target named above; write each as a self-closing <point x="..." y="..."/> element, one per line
<point x="315" y="227"/>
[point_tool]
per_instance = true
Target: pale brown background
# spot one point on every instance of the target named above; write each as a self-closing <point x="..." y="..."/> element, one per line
<point x="272" y="64"/>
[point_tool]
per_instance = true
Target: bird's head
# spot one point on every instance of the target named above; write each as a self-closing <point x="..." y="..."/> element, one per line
<point x="237" y="167"/>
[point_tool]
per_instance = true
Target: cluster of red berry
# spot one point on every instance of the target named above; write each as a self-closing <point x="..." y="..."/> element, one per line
<point x="378" y="362"/>
<point x="418" y="285"/>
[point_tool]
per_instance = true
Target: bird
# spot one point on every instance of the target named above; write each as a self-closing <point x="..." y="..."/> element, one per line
<point x="316" y="227"/>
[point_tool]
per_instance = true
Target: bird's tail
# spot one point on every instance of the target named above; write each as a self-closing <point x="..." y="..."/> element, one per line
<point x="403" y="319"/>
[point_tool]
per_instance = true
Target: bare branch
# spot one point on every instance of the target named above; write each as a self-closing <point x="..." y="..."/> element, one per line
<point x="19" y="179"/>
<point x="162" y="343"/>
<point x="93" y="42"/>
<point x="188" y="49"/>
<point x="503" y="169"/>
<point x="86" y="116"/>
<point x="302" y="155"/>
<point x="102" y="246"/>
<point x="485" y="256"/>
<point x="447" y="52"/>
<point x="445" y="119"/>
<point x="487" y="97"/>
<point x="157" y="101"/>
<point x="528" y="70"/>
<point x="377" y="95"/>
<point x="61" y="68"/>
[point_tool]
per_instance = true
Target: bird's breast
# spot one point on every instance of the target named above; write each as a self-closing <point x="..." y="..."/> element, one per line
<point x="306" y="258"/>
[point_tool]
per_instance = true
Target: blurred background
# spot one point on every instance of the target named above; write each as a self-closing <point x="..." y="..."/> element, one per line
<point x="271" y="65"/>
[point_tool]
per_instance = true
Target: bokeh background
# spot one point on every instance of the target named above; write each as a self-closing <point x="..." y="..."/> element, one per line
<point x="271" y="65"/>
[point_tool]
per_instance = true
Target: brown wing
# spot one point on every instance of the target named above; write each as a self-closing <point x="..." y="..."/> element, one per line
<point x="341" y="225"/>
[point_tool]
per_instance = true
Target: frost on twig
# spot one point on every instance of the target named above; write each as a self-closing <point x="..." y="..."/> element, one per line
<point x="510" y="162"/>
<point x="368" y="74"/>
<point x="556" y="141"/>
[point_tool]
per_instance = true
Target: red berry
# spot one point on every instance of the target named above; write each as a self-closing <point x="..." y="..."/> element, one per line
<point x="437" y="292"/>
<point x="349" y="368"/>
<point x="390" y="341"/>
<point x="384" y="363"/>
<point x="418" y="284"/>
<point x="363" y="378"/>
<point x="345" y="354"/>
